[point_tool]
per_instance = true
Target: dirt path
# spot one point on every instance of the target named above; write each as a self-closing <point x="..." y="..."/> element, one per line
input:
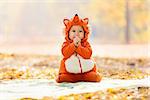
<point x="115" y="51"/>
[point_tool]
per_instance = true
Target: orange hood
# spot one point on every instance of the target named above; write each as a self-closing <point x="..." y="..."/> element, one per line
<point x="76" y="21"/>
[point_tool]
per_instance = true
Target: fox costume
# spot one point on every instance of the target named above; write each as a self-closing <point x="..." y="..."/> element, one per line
<point x="77" y="64"/>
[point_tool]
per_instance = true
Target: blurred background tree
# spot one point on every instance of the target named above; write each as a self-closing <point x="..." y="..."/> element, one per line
<point x="127" y="20"/>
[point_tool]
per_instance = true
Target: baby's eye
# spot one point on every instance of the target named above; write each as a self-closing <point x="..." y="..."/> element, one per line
<point x="73" y="31"/>
<point x="80" y="31"/>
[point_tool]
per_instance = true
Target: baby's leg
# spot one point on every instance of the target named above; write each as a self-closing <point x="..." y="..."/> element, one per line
<point x="91" y="77"/>
<point x="68" y="78"/>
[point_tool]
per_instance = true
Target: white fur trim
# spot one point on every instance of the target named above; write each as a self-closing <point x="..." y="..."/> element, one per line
<point x="73" y="66"/>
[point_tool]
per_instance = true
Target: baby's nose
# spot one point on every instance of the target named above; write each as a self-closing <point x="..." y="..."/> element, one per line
<point x="77" y="34"/>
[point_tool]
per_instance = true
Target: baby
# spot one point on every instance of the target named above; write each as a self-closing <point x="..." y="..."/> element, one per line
<point x="77" y="64"/>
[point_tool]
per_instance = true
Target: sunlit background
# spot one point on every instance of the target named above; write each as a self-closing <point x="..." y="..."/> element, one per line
<point x="40" y="22"/>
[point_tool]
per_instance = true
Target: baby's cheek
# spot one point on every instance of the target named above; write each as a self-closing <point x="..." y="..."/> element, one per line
<point x="71" y="36"/>
<point x="81" y="36"/>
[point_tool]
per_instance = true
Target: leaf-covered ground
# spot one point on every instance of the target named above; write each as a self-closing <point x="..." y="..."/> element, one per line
<point x="46" y="67"/>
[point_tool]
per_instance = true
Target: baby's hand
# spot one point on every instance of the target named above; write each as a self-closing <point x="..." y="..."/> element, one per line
<point x="76" y="41"/>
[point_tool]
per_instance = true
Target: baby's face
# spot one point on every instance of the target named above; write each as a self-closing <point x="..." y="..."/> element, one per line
<point x="76" y="30"/>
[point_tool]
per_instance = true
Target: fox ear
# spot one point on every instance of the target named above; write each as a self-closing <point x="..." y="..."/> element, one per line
<point x="86" y="20"/>
<point x="66" y="21"/>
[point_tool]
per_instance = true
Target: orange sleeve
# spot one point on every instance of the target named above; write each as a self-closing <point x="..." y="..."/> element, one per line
<point x="84" y="51"/>
<point x="68" y="49"/>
